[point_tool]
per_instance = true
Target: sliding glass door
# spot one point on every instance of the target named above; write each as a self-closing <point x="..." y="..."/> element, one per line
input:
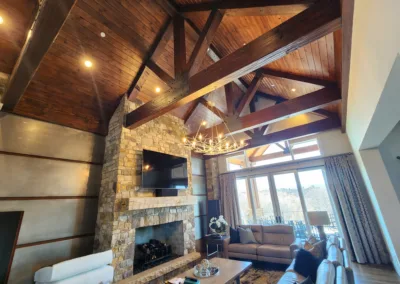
<point x="285" y="197"/>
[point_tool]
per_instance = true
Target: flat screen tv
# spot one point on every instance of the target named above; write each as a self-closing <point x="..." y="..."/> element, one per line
<point x="162" y="171"/>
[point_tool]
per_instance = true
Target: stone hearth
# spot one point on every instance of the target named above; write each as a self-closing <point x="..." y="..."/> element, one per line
<point x="124" y="206"/>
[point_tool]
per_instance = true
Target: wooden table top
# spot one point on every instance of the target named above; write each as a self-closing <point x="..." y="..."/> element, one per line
<point x="229" y="270"/>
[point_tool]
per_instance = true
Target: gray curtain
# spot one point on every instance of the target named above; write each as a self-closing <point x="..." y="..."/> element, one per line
<point x="361" y="232"/>
<point x="229" y="199"/>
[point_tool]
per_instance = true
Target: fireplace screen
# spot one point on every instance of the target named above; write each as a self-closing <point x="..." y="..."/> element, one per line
<point x="155" y="245"/>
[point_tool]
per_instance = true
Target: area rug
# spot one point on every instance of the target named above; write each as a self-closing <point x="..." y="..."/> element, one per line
<point x="261" y="276"/>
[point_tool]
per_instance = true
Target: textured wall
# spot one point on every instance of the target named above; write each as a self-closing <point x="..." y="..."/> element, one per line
<point x="121" y="180"/>
<point x="24" y="179"/>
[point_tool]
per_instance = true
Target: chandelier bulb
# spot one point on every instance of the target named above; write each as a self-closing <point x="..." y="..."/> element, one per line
<point x="200" y="137"/>
<point x="184" y="139"/>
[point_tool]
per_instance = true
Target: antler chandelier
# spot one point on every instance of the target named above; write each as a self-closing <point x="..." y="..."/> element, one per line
<point x="210" y="144"/>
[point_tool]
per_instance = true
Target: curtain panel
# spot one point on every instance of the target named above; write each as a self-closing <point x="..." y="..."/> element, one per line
<point x="229" y="199"/>
<point x="360" y="228"/>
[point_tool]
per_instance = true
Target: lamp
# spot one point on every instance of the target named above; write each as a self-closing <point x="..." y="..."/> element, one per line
<point x="319" y="219"/>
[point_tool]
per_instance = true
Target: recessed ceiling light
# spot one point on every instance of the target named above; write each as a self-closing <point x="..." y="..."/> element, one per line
<point x="102" y="34"/>
<point x="1" y="20"/>
<point x="293" y="90"/>
<point x="158" y="89"/>
<point x="88" y="63"/>
<point x="272" y="85"/>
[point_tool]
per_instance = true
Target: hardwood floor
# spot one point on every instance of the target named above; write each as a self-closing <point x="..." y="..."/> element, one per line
<point x="376" y="274"/>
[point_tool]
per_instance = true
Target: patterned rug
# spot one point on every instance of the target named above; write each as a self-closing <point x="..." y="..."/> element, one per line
<point x="261" y="276"/>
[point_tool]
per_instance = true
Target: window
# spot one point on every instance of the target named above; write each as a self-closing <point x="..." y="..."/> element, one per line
<point x="286" y="197"/>
<point x="236" y="163"/>
<point x="274" y="154"/>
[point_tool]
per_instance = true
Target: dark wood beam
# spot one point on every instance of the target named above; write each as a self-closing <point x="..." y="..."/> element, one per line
<point x="322" y="18"/>
<point x="277" y="7"/>
<point x="156" y="49"/>
<point x="249" y="133"/>
<point x="212" y="108"/>
<point x="249" y="95"/>
<point x="230" y="106"/>
<point x="293" y="77"/>
<point x="159" y="72"/>
<point x="190" y="110"/>
<point x="179" y="45"/>
<point x="264" y="129"/>
<point x="49" y="22"/>
<point x="278" y="112"/>
<point x="295" y="132"/>
<point x="347" y="31"/>
<point x="204" y="41"/>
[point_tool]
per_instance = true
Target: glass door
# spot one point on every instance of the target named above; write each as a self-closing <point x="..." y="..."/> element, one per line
<point x="265" y="207"/>
<point x="245" y="201"/>
<point x="290" y="204"/>
<point x="316" y="197"/>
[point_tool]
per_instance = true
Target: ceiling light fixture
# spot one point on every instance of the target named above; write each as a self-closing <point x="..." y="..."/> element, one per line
<point x="272" y="85"/>
<point x="102" y="34"/>
<point x="293" y="90"/>
<point x="88" y="63"/>
<point x="1" y="20"/>
<point x="214" y="143"/>
<point x="158" y="89"/>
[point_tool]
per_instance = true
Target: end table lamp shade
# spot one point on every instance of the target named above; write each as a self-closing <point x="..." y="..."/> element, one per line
<point x="319" y="219"/>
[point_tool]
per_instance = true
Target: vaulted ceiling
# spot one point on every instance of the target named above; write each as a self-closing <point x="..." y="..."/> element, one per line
<point x="65" y="92"/>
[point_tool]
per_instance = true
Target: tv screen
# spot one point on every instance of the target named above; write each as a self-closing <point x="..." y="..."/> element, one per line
<point x="162" y="171"/>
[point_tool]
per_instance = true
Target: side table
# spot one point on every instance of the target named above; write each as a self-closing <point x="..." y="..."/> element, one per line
<point x="218" y="242"/>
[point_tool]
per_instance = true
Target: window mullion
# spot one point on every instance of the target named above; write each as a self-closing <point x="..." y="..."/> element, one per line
<point x="302" y="202"/>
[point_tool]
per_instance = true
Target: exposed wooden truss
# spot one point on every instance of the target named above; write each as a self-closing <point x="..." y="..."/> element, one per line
<point x="318" y="20"/>
<point x="49" y="21"/>
<point x="251" y="7"/>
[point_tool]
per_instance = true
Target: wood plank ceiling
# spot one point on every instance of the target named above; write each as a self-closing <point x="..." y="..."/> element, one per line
<point x="65" y="92"/>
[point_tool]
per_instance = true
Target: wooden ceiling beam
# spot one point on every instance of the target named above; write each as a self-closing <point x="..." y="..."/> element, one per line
<point x="158" y="46"/>
<point x="276" y="7"/>
<point x="230" y="106"/>
<point x="48" y="24"/>
<point x="159" y="72"/>
<point x="190" y="111"/>
<point x="249" y="95"/>
<point x="204" y="41"/>
<point x="295" y="132"/>
<point x="294" y="77"/>
<point x="278" y="112"/>
<point x="317" y="21"/>
<point x="212" y="108"/>
<point x="179" y="45"/>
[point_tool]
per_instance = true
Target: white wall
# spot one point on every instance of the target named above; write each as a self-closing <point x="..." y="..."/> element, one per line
<point x="373" y="105"/>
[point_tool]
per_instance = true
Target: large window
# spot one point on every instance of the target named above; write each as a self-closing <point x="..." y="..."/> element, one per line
<point x="286" y="197"/>
<point x="274" y="154"/>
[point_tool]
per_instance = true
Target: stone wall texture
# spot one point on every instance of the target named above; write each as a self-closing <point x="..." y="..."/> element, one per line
<point x="212" y="178"/>
<point x="121" y="182"/>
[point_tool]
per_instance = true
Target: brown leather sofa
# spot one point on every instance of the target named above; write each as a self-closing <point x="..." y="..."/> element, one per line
<point x="275" y="243"/>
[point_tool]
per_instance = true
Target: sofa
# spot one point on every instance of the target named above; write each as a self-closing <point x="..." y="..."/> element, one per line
<point x="90" y="269"/>
<point x="335" y="269"/>
<point x="275" y="243"/>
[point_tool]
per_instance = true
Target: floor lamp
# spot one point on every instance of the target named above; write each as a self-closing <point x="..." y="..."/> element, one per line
<point x="319" y="219"/>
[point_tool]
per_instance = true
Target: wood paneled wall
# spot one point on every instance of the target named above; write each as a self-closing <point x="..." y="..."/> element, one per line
<point x="53" y="174"/>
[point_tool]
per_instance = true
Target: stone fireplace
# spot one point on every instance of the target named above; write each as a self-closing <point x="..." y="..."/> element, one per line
<point x="126" y="211"/>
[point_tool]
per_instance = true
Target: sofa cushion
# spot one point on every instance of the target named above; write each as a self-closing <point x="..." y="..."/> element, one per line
<point x="325" y="273"/>
<point x="335" y="255"/>
<point x="246" y="236"/>
<point x="291" y="277"/>
<point x="257" y="231"/>
<point x="242" y="248"/>
<point x="317" y="249"/>
<point x="278" y="235"/>
<point x="234" y="235"/>
<point x="306" y="264"/>
<point x="274" y="250"/>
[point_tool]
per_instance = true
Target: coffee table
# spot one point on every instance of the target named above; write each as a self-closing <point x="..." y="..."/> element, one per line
<point x="229" y="270"/>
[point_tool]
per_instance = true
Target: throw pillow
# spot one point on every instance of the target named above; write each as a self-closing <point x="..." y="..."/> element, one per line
<point x="306" y="281"/>
<point x="317" y="249"/>
<point x="246" y="236"/>
<point x="312" y="239"/>
<point x="306" y="264"/>
<point x="234" y="234"/>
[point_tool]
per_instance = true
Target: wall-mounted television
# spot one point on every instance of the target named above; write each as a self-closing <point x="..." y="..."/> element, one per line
<point x="162" y="171"/>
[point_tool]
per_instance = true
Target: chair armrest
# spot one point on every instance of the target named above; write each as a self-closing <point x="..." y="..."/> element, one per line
<point x="226" y="245"/>
<point x="294" y="247"/>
